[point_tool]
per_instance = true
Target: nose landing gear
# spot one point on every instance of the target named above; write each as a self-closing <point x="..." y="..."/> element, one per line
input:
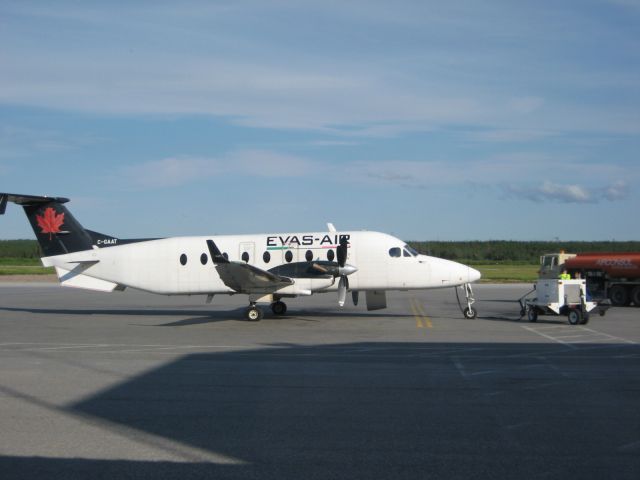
<point x="468" y="312"/>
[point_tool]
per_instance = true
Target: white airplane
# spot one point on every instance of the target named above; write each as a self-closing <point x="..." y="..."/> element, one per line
<point x="266" y="267"/>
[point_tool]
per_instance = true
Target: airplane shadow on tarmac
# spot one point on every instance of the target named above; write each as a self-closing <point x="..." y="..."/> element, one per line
<point x="203" y="316"/>
<point x="371" y="410"/>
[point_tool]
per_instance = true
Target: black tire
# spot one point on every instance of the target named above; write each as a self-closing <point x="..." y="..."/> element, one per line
<point x="575" y="316"/>
<point x="254" y="314"/>
<point x="279" y="308"/>
<point x="532" y="315"/>
<point x="635" y="296"/>
<point x="585" y="318"/>
<point x="470" y="313"/>
<point x="619" y="295"/>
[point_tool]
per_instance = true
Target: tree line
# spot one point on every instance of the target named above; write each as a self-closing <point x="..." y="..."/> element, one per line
<point x="505" y="251"/>
<point x="499" y="251"/>
<point x="19" y="249"/>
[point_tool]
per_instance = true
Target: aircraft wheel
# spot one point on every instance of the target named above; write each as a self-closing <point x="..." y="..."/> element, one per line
<point x="575" y="316"/>
<point x="470" y="313"/>
<point x="532" y="315"/>
<point x="254" y="314"/>
<point x="279" y="308"/>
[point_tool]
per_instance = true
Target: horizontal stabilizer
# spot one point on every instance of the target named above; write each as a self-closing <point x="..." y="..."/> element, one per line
<point x="26" y="200"/>
<point x="74" y="278"/>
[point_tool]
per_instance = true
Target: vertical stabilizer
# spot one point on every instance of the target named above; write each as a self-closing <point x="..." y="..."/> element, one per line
<point x="56" y="230"/>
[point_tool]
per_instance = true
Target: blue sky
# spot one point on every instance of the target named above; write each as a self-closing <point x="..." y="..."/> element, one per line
<point x="430" y="120"/>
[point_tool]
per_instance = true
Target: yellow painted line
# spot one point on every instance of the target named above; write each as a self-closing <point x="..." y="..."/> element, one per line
<point x="422" y="319"/>
<point x="415" y="314"/>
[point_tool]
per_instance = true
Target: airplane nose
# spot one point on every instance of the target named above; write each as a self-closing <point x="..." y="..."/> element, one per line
<point x="474" y="275"/>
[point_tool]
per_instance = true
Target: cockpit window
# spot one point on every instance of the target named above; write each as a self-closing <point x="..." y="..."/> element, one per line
<point x="395" y="252"/>
<point x="409" y="251"/>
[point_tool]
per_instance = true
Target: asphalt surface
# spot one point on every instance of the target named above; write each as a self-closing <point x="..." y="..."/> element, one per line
<point x="132" y="385"/>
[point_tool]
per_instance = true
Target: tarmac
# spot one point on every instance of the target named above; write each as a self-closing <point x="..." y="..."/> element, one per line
<point x="133" y="385"/>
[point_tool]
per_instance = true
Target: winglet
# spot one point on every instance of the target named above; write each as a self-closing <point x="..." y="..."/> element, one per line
<point x="216" y="256"/>
<point x="331" y="227"/>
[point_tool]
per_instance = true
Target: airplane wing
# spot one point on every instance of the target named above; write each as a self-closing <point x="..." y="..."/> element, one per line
<point x="245" y="278"/>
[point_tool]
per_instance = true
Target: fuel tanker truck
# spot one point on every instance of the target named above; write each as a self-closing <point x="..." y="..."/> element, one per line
<point x="615" y="276"/>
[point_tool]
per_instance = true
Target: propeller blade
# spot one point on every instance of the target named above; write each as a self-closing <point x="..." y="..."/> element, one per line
<point x="341" y="251"/>
<point x="354" y="297"/>
<point x="320" y="268"/>
<point x="342" y="290"/>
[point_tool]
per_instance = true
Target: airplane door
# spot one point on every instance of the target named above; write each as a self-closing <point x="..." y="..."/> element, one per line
<point x="247" y="252"/>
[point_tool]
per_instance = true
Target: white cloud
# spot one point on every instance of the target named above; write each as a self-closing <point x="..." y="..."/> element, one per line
<point x="616" y="191"/>
<point x="511" y="135"/>
<point x="20" y="141"/>
<point x="567" y="193"/>
<point x="276" y="73"/>
<point x="177" y="171"/>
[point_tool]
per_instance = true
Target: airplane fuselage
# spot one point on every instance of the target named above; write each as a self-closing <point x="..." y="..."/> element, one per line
<point x="183" y="265"/>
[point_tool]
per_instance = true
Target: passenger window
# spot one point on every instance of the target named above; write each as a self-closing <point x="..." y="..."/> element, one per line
<point x="245" y="257"/>
<point x="395" y="252"/>
<point x="266" y="257"/>
<point x="183" y="259"/>
<point x="288" y="256"/>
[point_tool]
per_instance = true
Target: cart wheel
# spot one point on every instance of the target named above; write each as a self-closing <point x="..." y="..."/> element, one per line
<point x="585" y="318"/>
<point x="575" y="316"/>
<point x="532" y="315"/>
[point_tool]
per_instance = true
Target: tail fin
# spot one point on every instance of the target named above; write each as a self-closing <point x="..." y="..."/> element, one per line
<point x="55" y="228"/>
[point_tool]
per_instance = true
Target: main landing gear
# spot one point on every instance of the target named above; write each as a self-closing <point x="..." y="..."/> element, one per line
<point x="279" y="308"/>
<point x="255" y="313"/>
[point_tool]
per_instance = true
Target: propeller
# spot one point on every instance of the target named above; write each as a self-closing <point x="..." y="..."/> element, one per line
<point x="339" y="269"/>
<point x="343" y="285"/>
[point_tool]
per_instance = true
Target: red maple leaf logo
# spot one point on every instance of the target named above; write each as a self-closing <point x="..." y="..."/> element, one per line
<point x="50" y="222"/>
